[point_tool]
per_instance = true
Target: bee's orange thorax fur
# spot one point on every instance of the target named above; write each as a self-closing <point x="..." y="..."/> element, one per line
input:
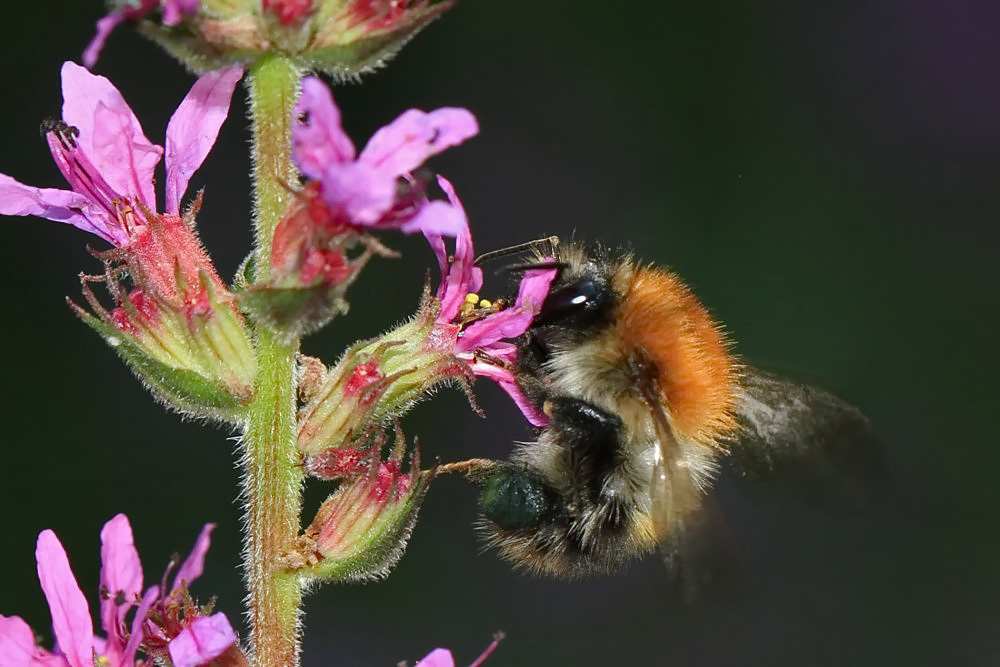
<point x="696" y="375"/>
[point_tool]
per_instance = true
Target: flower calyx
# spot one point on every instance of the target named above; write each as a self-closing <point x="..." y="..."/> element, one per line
<point x="361" y="530"/>
<point x="177" y="329"/>
<point x="314" y="260"/>
<point x="377" y="381"/>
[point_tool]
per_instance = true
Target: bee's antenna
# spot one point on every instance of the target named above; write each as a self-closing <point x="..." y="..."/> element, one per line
<point x="532" y="266"/>
<point x="551" y="243"/>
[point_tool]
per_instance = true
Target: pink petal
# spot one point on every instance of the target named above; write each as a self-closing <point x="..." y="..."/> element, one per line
<point x="17" y="646"/>
<point x="173" y="10"/>
<point x="441" y="254"/>
<point x="110" y="134"/>
<point x="71" y="621"/>
<point x="460" y="277"/>
<point x="437" y="218"/>
<point x="534" y="288"/>
<point x="104" y="28"/>
<point x="149" y="598"/>
<point x="505" y="352"/>
<point x="439" y="657"/>
<point x="509" y="323"/>
<point x="317" y="136"/>
<point x="194" y="564"/>
<point x="505" y="379"/>
<point x="194" y="127"/>
<point x="405" y="144"/>
<point x="121" y="577"/>
<point x="52" y="204"/>
<point x="361" y="193"/>
<point x="123" y="155"/>
<point x="514" y="321"/>
<point x="202" y="641"/>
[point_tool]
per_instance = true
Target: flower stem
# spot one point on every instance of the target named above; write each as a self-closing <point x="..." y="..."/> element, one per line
<point x="272" y="476"/>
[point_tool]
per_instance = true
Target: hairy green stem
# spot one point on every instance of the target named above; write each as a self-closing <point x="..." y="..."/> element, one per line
<point x="272" y="476"/>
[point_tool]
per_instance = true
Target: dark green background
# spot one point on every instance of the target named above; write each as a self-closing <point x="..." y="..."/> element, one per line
<point x="826" y="178"/>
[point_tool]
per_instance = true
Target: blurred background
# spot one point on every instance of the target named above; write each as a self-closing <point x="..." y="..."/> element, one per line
<point x="824" y="176"/>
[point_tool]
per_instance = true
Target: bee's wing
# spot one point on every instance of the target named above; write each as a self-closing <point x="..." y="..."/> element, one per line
<point x="806" y="438"/>
<point x="697" y="553"/>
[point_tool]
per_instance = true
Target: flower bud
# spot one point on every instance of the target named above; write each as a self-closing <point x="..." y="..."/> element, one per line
<point x="377" y="381"/>
<point x="314" y="259"/>
<point x="343" y="38"/>
<point x="360" y="531"/>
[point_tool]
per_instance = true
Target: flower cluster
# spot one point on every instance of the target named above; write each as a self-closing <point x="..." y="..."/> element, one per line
<point x="197" y="343"/>
<point x="194" y="636"/>
<point x="446" y="341"/>
<point x="342" y="426"/>
<point x="343" y="38"/>
<point x="177" y="326"/>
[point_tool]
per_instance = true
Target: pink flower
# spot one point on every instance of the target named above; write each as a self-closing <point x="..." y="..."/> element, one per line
<point x="202" y="641"/>
<point x="100" y="148"/>
<point x="120" y="591"/>
<point x="364" y="189"/>
<point x="481" y="344"/>
<point x="109" y="163"/>
<point x="173" y="11"/>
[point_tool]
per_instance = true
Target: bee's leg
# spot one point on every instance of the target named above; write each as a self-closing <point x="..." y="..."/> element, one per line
<point x="592" y="440"/>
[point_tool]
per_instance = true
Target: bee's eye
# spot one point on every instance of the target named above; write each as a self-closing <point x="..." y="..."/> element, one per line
<point x="578" y="304"/>
<point x="515" y="500"/>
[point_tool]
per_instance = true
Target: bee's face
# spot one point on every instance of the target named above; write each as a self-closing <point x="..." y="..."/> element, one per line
<point x="643" y="399"/>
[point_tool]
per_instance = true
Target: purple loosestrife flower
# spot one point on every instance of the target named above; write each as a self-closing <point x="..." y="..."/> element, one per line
<point x="120" y="592"/>
<point x="350" y="193"/>
<point x="481" y="343"/>
<point x="173" y="12"/>
<point x="363" y="190"/>
<point x="323" y="240"/>
<point x="446" y="341"/>
<point x="109" y="163"/>
<point x="179" y="319"/>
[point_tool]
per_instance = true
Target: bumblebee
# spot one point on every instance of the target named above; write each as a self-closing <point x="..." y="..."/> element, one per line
<point x="644" y="400"/>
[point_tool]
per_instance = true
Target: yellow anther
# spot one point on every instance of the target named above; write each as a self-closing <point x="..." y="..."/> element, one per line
<point x="472" y="298"/>
<point x="485" y="304"/>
